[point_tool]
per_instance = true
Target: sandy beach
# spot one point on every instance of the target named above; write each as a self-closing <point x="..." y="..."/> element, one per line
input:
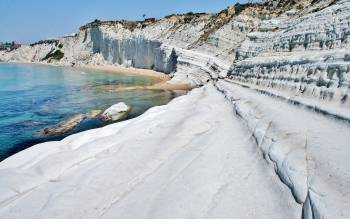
<point x="123" y="70"/>
<point x="164" y="79"/>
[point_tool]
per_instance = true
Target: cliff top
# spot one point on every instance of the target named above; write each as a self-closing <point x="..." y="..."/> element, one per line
<point x="260" y="9"/>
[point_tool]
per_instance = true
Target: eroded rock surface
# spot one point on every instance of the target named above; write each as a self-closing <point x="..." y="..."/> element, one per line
<point x="116" y="112"/>
<point x="65" y="126"/>
<point x="70" y="124"/>
<point x="265" y="137"/>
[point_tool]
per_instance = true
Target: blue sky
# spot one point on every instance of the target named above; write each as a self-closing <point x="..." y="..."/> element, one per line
<point x="27" y="21"/>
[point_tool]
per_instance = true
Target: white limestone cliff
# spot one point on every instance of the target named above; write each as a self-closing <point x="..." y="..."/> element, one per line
<point x="266" y="136"/>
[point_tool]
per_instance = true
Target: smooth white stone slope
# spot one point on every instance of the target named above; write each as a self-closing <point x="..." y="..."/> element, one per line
<point x="308" y="150"/>
<point x="286" y="76"/>
<point x="192" y="158"/>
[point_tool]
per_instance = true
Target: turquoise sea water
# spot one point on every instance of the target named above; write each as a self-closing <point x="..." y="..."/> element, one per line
<point x="34" y="97"/>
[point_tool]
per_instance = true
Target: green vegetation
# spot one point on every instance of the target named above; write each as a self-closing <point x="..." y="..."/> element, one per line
<point x="152" y="67"/>
<point x="170" y="15"/>
<point x="60" y="45"/>
<point x="58" y="55"/>
<point x="189" y="13"/>
<point x="131" y="25"/>
<point x="188" y="17"/>
<point x="54" y="54"/>
<point x="225" y="11"/>
<point x="239" y="8"/>
<point x="45" y="42"/>
<point x="9" y="46"/>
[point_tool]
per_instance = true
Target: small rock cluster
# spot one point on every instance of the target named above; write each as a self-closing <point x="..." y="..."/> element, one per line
<point x="114" y="113"/>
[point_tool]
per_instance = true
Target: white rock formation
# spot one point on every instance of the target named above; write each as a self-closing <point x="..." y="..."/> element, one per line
<point x="265" y="137"/>
<point x="307" y="150"/>
<point x="174" y="161"/>
<point x="116" y="112"/>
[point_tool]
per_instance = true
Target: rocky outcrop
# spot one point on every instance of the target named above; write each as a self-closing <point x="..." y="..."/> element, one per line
<point x="64" y="127"/>
<point x="305" y="54"/>
<point x="116" y="112"/>
<point x="70" y="124"/>
<point x="296" y="143"/>
<point x="284" y="68"/>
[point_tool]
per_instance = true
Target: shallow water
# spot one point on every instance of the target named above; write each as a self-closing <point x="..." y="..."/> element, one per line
<point x="35" y="97"/>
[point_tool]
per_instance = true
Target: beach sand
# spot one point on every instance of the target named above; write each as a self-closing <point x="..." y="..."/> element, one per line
<point x="164" y="79"/>
<point x="123" y="70"/>
<point x="163" y="84"/>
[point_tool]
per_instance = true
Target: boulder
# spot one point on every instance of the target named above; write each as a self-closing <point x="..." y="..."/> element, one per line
<point x="116" y="112"/>
<point x="64" y="126"/>
<point x="70" y="124"/>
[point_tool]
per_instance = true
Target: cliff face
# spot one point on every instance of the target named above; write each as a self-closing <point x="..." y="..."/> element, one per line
<point x="306" y="54"/>
<point x="136" y="52"/>
<point x="261" y="57"/>
<point x="263" y="43"/>
<point x="298" y="47"/>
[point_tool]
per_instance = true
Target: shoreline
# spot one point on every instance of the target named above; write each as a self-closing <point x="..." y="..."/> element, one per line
<point x="163" y="78"/>
<point x="106" y="68"/>
<point x="160" y="84"/>
<point x="125" y="70"/>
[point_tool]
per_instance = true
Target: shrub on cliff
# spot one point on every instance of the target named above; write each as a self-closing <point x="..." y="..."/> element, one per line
<point x="188" y="19"/>
<point x="170" y="15"/>
<point x="51" y="41"/>
<point x="56" y="55"/>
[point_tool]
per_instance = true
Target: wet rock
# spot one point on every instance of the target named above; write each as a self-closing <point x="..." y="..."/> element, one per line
<point x="116" y="112"/>
<point x="70" y="124"/>
<point x="64" y="126"/>
<point x="93" y="114"/>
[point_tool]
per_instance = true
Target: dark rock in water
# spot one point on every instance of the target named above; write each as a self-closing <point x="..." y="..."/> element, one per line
<point x="112" y="114"/>
<point x="65" y="126"/>
<point x="70" y="124"/>
<point x="93" y="114"/>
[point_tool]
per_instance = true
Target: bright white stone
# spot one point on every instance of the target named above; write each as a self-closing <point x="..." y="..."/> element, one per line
<point x="116" y="112"/>
<point x="194" y="158"/>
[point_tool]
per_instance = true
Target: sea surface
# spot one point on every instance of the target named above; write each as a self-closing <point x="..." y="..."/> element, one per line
<point x="35" y="97"/>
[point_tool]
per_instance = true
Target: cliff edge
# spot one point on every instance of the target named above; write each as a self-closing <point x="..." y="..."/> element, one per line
<point x="264" y="135"/>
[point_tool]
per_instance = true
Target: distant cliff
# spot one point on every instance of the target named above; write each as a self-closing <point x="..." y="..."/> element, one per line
<point x="8" y="47"/>
<point x="295" y="45"/>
